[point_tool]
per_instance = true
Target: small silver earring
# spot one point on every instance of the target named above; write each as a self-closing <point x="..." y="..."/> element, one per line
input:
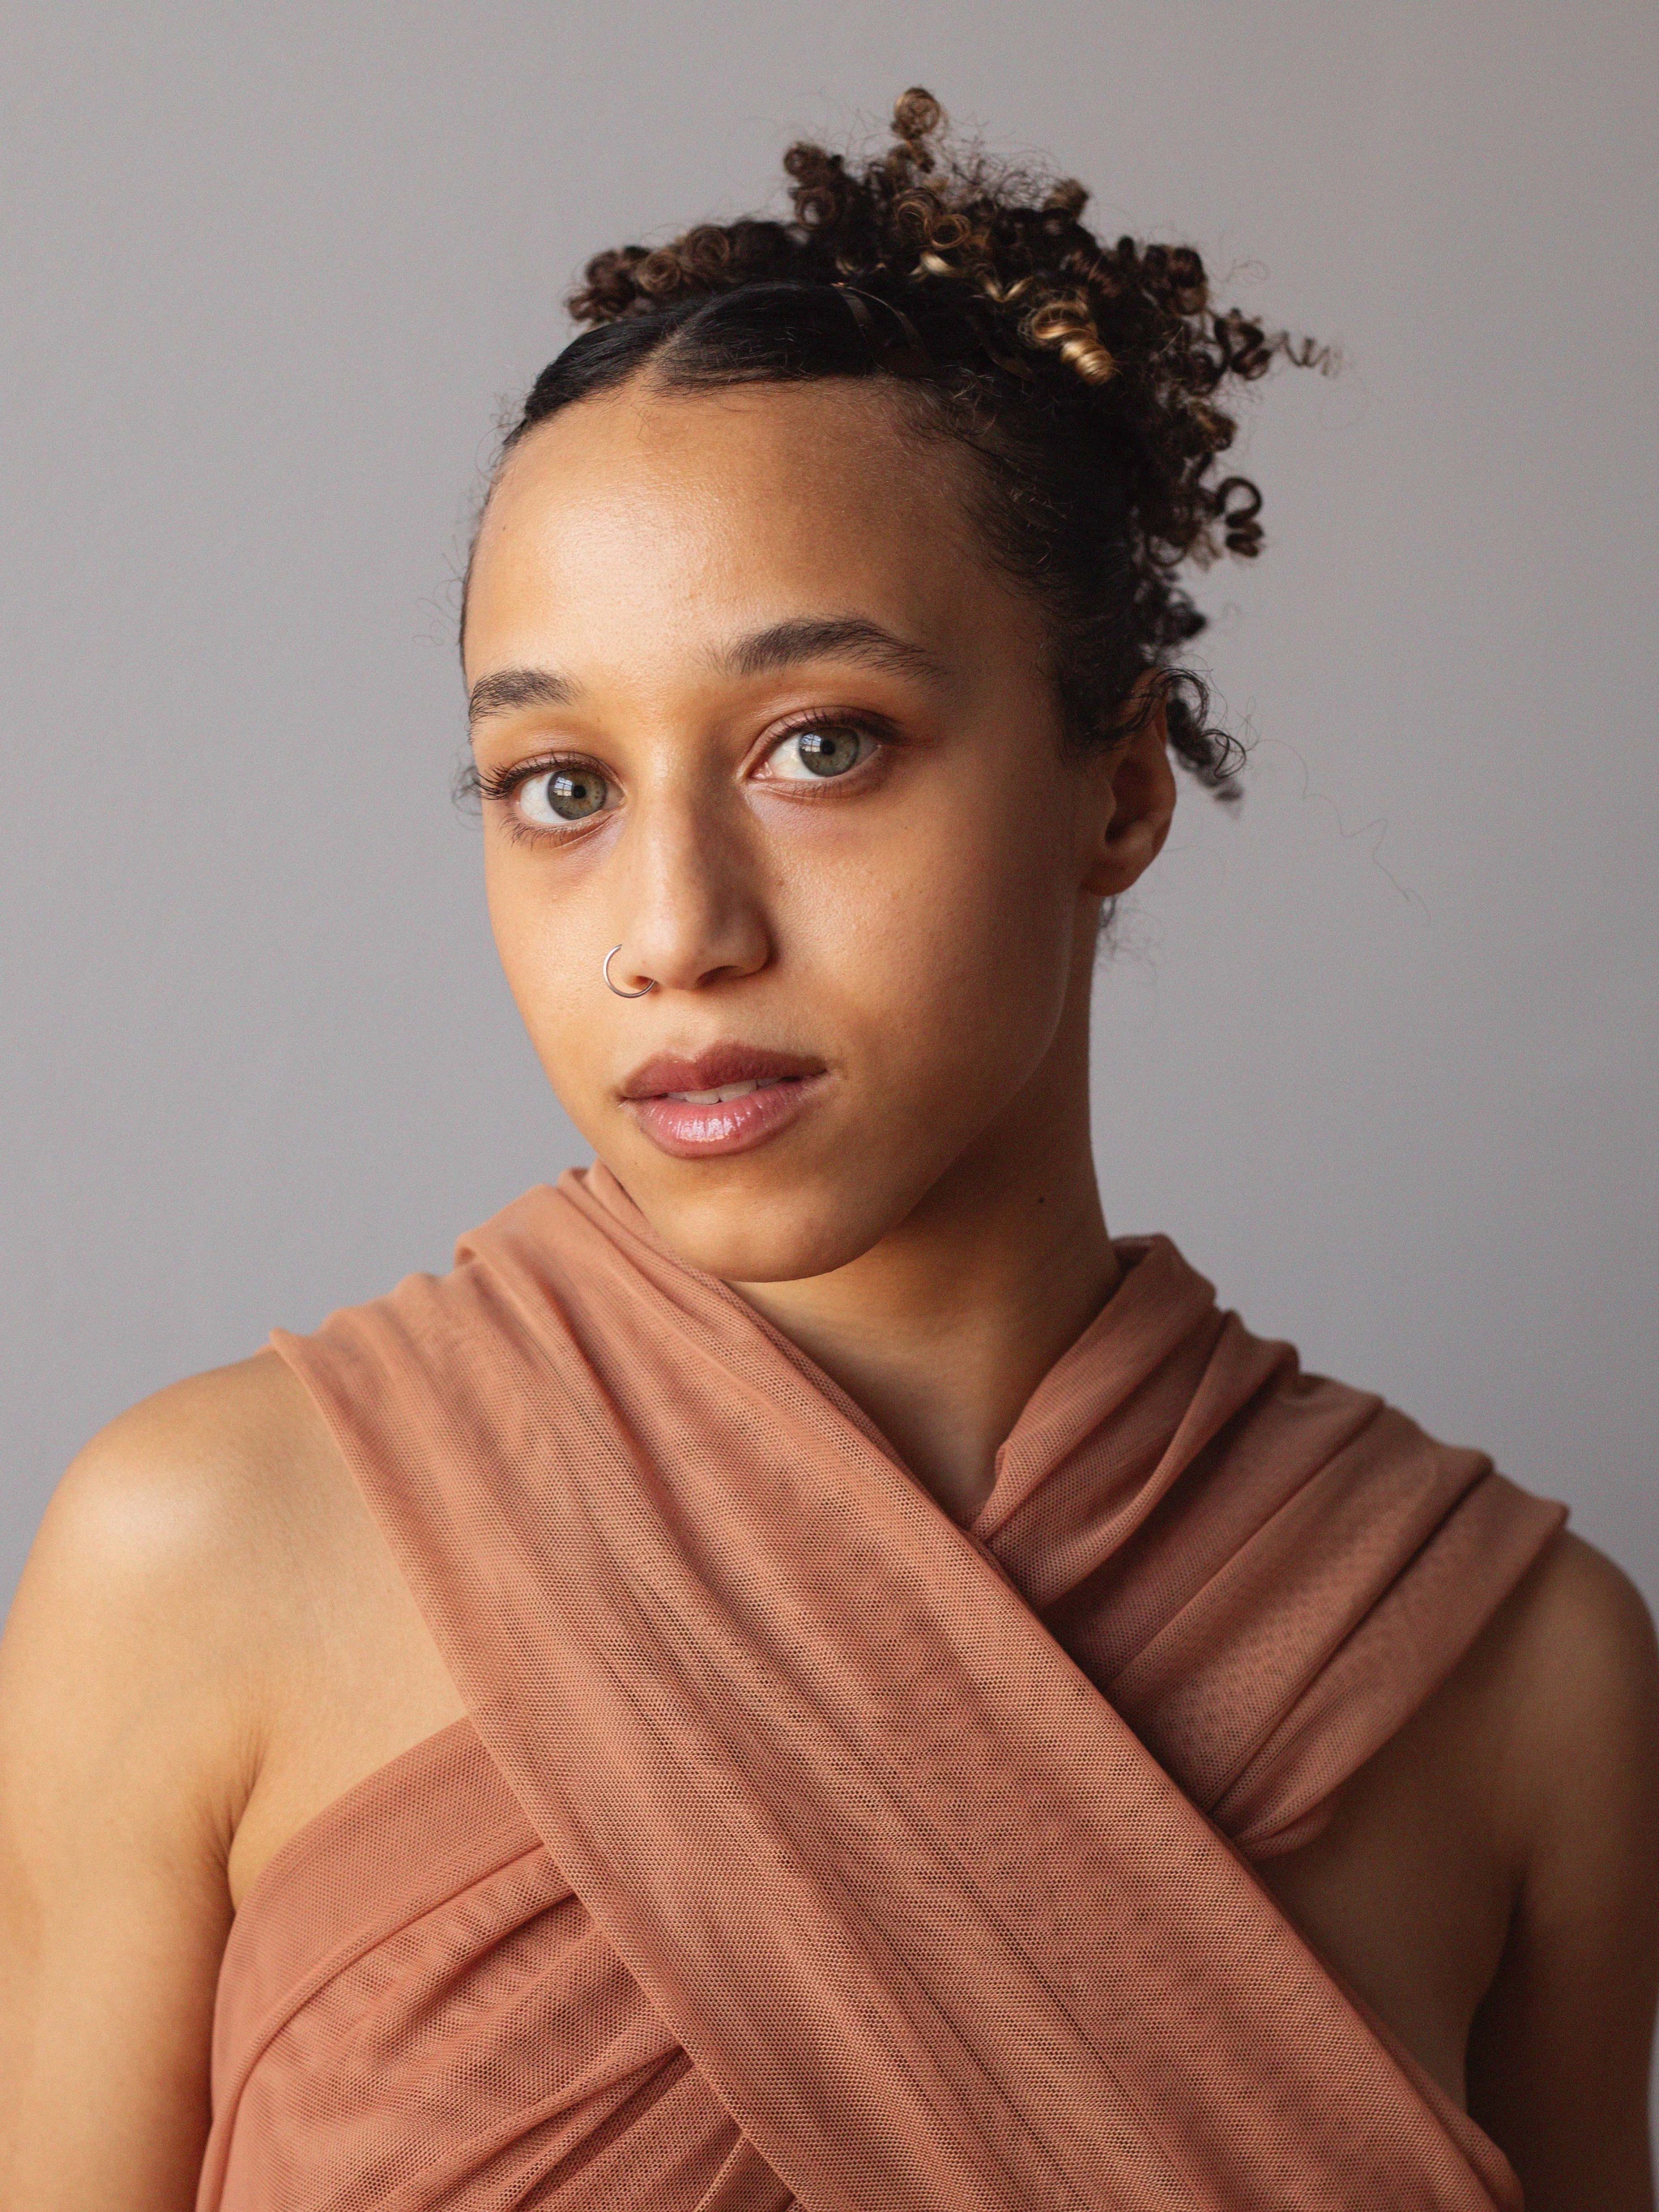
<point x="617" y="988"/>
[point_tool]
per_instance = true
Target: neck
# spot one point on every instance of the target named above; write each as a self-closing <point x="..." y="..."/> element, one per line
<point x="942" y="1331"/>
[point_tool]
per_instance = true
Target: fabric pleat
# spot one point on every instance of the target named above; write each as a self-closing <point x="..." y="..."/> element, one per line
<point x="802" y="1846"/>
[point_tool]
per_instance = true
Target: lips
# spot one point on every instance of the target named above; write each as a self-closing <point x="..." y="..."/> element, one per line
<point x="727" y="1098"/>
<point x="670" y="1074"/>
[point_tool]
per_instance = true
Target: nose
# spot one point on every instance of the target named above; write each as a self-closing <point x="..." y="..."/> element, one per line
<point x="690" y="910"/>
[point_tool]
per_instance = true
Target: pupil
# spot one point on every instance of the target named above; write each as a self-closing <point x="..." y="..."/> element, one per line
<point x="575" y="791"/>
<point x="828" y="752"/>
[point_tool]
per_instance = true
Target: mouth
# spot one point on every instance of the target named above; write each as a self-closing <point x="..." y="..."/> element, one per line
<point x="728" y="1098"/>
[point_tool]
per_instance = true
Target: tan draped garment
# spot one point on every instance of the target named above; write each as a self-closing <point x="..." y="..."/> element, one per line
<point x="803" y="1846"/>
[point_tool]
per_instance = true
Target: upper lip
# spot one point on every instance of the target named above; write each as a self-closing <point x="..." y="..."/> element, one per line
<point x="725" y="1062"/>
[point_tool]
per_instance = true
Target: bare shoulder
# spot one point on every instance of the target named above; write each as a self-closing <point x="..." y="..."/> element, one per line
<point x="192" y="1464"/>
<point x="1577" y="1601"/>
<point x="195" y="1493"/>
<point x="164" y="1576"/>
<point x="139" y="1675"/>
<point x="211" y="1592"/>
<point x="1488" y="1879"/>
<point x="1573" y="1668"/>
<point x="1559" y="2056"/>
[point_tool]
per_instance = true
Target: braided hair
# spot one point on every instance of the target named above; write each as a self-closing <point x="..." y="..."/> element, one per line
<point x="1086" y="381"/>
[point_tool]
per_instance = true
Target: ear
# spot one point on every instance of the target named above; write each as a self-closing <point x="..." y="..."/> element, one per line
<point x="1133" y="791"/>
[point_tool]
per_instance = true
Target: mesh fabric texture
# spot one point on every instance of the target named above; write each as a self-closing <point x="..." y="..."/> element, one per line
<point x="804" y="1847"/>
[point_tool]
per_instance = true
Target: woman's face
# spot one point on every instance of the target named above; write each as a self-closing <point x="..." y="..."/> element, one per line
<point x="750" y="702"/>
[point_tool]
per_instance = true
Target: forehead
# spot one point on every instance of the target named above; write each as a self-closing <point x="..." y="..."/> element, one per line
<point x="648" y="515"/>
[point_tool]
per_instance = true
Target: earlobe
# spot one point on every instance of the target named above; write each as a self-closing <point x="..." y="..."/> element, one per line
<point x="1136" y="791"/>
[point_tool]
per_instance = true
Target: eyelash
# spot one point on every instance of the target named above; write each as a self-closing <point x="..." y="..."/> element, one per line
<point x="501" y="786"/>
<point x="873" y="727"/>
<point x="505" y="781"/>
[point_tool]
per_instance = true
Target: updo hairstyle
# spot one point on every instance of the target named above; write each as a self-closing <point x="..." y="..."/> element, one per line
<point x="1087" y="381"/>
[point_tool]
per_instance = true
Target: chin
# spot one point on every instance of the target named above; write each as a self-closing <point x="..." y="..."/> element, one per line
<point x="764" y="1234"/>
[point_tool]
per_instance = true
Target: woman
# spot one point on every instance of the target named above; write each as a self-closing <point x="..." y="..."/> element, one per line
<point x="803" y="1671"/>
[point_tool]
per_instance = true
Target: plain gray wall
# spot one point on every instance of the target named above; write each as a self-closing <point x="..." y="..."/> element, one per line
<point x="1380" y="1054"/>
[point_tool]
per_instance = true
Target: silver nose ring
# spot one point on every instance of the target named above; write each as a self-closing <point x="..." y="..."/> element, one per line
<point x="617" y="988"/>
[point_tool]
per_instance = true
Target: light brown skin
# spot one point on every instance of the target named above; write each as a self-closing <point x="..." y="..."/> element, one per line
<point x="211" y="1642"/>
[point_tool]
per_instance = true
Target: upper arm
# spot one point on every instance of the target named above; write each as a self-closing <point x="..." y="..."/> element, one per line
<point x="1558" y="2060"/>
<point x="128" y="1734"/>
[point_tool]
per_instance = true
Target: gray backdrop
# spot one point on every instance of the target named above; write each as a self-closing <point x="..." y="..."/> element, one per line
<point x="1380" y="1054"/>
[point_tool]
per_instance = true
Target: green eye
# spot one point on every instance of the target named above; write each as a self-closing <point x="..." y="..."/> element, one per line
<point x="562" y="794"/>
<point x="825" y="750"/>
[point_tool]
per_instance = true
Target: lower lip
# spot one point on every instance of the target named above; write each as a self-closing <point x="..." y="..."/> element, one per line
<point x="700" y="1132"/>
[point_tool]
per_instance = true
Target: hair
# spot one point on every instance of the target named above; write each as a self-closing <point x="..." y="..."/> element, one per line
<point x="1085" y="380"/>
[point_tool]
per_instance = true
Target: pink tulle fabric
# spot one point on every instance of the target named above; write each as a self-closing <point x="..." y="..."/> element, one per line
<point x="803" y="1847"/>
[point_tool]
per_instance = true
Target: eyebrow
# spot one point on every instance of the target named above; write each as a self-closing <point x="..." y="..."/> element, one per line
<point x="824" y="637"/>
<point x="517" y="687"/>
<point x="782" y="645"/>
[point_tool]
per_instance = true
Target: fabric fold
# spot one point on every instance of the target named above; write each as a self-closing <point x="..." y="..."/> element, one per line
<point x="925" y="1844"/>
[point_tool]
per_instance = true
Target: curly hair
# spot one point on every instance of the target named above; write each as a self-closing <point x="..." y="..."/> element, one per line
<point x="1086" y="381"/>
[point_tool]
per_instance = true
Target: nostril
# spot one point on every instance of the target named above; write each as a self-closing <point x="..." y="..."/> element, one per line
<point x="621" y="990"/>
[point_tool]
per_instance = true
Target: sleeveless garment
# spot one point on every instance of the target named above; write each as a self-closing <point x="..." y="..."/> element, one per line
<point x="803" y="1847"/>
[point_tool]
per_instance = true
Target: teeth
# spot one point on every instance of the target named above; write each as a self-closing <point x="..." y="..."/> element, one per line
<point x="726" y="1091"/>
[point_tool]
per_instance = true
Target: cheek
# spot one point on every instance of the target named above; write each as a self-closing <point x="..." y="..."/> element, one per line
<point x="945" y="945"/>
<point x="552" y="969"/>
